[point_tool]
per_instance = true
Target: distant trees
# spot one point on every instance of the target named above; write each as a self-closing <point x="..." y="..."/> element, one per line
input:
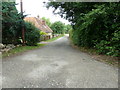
<point x="67" y="28"/>
<point x="95" y="25"/>
<point x="58" y="27"/>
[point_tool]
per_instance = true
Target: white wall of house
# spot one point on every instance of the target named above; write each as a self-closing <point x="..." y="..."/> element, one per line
<point x="50" y="34"/>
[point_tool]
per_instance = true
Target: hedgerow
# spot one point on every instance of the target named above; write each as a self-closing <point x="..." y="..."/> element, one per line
<point x="95" y="25"/>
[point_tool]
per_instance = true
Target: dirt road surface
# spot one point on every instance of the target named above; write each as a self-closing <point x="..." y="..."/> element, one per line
<point x="57" y="65"/>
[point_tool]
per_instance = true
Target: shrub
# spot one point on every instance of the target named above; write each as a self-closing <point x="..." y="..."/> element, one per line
<point x="42" y="33"/>
<point x="32" y="34"/>
<point x="115" y="44"/>
<point x="111" y="47"/>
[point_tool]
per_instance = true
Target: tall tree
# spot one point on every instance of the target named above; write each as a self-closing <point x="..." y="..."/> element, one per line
<point x="11" y="23"/>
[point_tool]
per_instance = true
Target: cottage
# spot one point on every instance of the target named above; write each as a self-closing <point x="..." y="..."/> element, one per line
<point x="40" y="24"/>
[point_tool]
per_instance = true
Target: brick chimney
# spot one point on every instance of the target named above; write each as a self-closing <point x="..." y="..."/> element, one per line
<point x="38" y="16"/>
<point x="43" y="22"/>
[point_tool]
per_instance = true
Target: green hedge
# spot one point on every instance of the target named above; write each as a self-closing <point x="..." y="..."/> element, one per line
<point x="32" y="34"/>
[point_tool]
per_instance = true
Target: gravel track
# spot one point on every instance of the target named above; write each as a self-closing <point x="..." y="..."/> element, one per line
<point x="57" y="65"/>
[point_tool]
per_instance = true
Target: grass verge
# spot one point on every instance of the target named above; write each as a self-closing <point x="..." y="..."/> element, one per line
<point x="55" y="38"/>
<point x="21" y="49"/>
<point x="95" y="55"/>
<point x="18" y="50"/>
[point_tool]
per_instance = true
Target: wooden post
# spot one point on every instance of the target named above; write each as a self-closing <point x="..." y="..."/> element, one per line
<point x="23" y="31"/>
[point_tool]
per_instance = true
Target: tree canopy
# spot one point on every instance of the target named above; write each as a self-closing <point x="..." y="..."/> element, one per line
<point x="11" y="23"/>
<point x="95" y="25"/>
<point x="58" y="27"/>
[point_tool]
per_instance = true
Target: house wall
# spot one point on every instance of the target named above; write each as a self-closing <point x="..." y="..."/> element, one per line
<point x="50" y="34"/>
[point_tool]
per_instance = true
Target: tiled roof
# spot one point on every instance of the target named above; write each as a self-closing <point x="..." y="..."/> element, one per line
<point x="39" y="23"/>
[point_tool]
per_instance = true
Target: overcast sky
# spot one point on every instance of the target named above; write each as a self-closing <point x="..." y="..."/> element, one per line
<point x="37" y="7"/>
